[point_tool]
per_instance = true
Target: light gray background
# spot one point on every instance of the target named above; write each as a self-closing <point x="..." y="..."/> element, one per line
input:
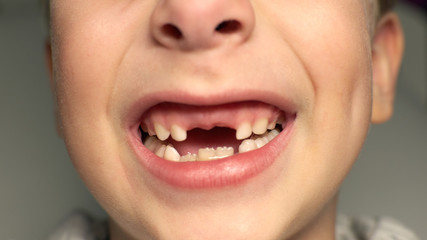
<point x="38" y="185"/>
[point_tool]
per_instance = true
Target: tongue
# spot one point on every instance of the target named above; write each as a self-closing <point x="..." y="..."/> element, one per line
<point x="198" y="138"/>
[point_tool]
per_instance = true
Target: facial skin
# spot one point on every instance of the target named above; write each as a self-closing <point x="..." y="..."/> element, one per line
<point x="108" y="55"/>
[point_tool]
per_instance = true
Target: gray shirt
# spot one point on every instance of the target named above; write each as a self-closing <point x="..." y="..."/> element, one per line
<point x="81" y="226"/>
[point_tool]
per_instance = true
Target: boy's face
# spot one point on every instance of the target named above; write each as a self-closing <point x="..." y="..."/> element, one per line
<point x="307" y="61"/>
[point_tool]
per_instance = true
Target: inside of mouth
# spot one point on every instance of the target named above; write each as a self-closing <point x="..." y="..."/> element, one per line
<point x="181" y="133"/>
<point x="199" y="138"/>
<point x="206" y="145"/>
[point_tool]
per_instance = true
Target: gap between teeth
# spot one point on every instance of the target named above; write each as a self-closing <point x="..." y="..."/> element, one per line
<point x="168" y="152"/>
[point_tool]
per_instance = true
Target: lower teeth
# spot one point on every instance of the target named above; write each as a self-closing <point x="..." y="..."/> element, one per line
<point x="168" y="152"/>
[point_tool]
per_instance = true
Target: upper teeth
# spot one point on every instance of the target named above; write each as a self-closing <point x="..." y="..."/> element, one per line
<point x="161" y="132"/>
<point x="243" y="131"/>
<point x="178" y="133"/>
<point x="260" y="126"/>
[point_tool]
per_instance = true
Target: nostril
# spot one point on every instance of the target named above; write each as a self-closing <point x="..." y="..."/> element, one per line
<point x="228" y="26"/>
<point x="172" y="31"/>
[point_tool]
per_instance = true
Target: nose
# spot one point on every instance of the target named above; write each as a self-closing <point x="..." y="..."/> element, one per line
<point x="194" y="25"/>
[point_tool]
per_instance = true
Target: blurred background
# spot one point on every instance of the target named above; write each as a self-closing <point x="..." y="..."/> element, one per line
<point x="38" y="185"/>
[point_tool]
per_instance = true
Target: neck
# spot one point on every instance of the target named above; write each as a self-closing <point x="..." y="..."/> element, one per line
<point x="117" y="233"/>
<point x="323" y="226"/>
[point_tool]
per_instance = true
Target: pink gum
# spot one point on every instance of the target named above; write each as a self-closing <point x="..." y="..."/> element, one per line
<point x="207" y="117"/>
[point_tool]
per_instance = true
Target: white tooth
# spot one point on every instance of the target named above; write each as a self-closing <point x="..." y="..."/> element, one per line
<point x="275" y="132"/>
<point x="247" y="145"/>
<point x="188" y="158"/>
<point x="272" y="134"/>
<point x="178" y="133"/>
<point x="160" y="152"/>
<point x="151" y="143"/>
<point x="260" y="126"/>
<point x="261" y="141"/>
<point x="271" y="125"/>
<point x="161" y="132"/>
<point x="244" y="131"/>
<point x="171" y="154"/>
<point x="206" y="154"/>
<point x="222" y="152"/>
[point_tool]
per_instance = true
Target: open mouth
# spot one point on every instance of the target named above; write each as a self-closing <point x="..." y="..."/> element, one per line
<point x="184" y="133"/>
<point x="205" y="146"/>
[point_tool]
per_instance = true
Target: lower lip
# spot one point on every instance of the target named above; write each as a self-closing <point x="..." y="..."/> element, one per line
<point x="233" y="170"/>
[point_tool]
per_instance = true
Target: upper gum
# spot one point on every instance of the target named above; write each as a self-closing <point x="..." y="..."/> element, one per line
<point x="229" y="115"/>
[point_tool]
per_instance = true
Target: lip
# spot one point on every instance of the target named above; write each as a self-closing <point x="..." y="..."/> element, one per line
<point x="229" y="171"/>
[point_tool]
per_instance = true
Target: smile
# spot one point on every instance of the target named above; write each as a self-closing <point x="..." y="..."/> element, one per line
<point x="211" y="146"/>
<point x="183" y="133"/>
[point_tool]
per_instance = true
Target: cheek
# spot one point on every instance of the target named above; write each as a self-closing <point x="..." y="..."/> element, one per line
<point x="341" y="80"/>
<point x="89" y="44"/>
<point x="332" y="41"/>
<point x="333" y="44"/>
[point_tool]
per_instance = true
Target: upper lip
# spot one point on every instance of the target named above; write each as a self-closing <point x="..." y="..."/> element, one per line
<point x="138" y="108"/>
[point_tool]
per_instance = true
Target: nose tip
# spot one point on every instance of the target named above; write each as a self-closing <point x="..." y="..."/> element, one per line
<point x="196" y="25"/>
